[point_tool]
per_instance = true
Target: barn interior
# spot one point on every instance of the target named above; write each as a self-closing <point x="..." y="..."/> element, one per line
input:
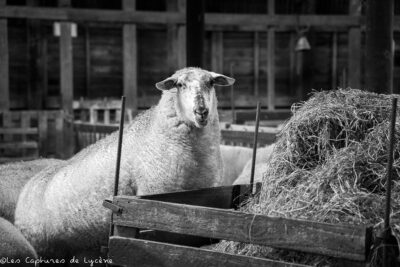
<point x="65" y="61"/>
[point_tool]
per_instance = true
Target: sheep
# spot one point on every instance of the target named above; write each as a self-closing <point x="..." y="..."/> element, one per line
<point x="172" y="146"/>
<point x="13" y="176"/>
<point x="234" y="159"/>
<point x="14" y="248"/>
<point x="262" y="163"/>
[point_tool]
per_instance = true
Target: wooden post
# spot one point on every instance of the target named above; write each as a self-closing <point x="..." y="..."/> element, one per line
<point x="256" y="58"/>
<point x="4" y="81"/>
<point x="194" y="33"/>
<point x="379" y="54"/>
<point x="176" y="38"/>
<point x="354" y="48"/>
<point x="130" y="59"/>
<point x="217" y="51"/>
<point x="271" y="60"/>
<point x="67" y="90"/>
<point x="334" y="60"/>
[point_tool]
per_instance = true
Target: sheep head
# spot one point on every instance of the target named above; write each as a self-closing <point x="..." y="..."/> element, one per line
<point x="196" y="100"/>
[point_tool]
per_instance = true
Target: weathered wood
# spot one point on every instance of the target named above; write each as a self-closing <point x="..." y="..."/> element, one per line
<point x="19" y="145"/>
<point x="334" y="60"/>
<point x="19" y="131"/>
<point x="354" y="48"/>
<point x="66" y="67"/>
<point x="256" y="60"/>
<point x="4" y="63"/>
<point x="247" y="137"/>
<point x="43" y="132"/>
<point x="379" y="50"/>
<point x="339" y="241"/>
<point x="222" y="197"/>
<point x="136" y="252"/>
<point x="130" y="59"/>
<point x="195" y="33"/>
<point x="271" y="69"/>
<point x="217" y="51"/>
<point x="250" y="115"/>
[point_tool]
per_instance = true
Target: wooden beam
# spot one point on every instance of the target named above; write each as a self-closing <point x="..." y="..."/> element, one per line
<point x="379" y="42"/>
<point x="217" y="51"/>
<point x="195" y="33"/>
<point x="341" y="241"/>
<point x="136" y="252"/>
<point x="271" y="60"/>
<point x="130" y="59"/>
<point x="256" y="61"/>
<point x="354" y="48"/>
<point x="66" y="67"/>
<point x="4" y="63"/>
<point x="83" y="15"/>
<point x="334" y="60"/>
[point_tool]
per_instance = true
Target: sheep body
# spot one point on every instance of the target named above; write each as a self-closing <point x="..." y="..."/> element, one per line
<point x="234" y="159"/>
<point x="61" y="207"/>
<point x="13" y="176"/>
<point x="13" y="246"/>
<point x="262" y="164"/>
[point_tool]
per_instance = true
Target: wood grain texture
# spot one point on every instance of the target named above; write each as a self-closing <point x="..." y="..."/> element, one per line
<point x="135" y="252"/>
<point x="326" y="239"/>
<point x="4" y="65"/>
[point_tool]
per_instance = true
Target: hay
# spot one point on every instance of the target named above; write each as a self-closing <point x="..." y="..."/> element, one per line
<point x="329" y="165"/>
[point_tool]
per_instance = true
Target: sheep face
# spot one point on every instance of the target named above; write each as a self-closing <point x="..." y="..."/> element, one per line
<point x="196" y="101"/>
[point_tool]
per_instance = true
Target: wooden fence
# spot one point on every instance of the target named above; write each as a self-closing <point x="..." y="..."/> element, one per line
<point x="237" y="135"/>
<point x="174" y="222"/>
<point x="28" y="135"/>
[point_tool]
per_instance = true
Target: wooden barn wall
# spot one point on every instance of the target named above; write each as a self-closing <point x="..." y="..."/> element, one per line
<point x="152" y="58"/>
<point x="97" y="55"/>
<point x="18" y="63"/>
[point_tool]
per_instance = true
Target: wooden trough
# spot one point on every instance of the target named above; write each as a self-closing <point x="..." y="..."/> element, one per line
<point x="170" y="229"/>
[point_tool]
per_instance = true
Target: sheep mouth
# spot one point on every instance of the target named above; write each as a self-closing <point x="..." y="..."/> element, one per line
<point x="201" y="121"/>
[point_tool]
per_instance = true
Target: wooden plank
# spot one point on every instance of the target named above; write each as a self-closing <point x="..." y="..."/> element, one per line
<point x="136" y="252"/>
<point x="130" y="59"/>
<point x="19" y="145"/>
<point x="249" y="20"/>
<point x="181" y="35"/>
<point x="378" y="47"/>
<point x="223" y="197"/>
<point x="217" y="51"/>
<point x="250" y="115"/>
<point x="19" y="131"/>
<point x="334" y="60"/>
<point x="100" y="128"/>
<point x="354" y="45"/>
<point x="271" y="69"/>
<point x="15" y="159"/>
<point x="4" y="63"/>
<point x="341" y="241"/>
<point x="66" y="67"/>
<point x="256" y="60"/>
<point x="247" y="137"/>
<point x="84" y="15"/>
<point x="43" y="132"/>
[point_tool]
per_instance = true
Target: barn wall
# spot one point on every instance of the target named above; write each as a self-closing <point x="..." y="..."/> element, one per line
<point x="98" y="62"/>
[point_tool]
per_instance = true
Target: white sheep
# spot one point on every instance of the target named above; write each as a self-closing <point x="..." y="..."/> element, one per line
<point x="13" y="176"/>
<point x="234" y="159"/>
<point x="262" y="164"/>
<point x="172" y="146"/>
<point x="15" y="250"/>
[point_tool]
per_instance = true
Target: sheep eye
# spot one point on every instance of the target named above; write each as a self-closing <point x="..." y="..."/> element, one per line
<point x="179" y="85"/>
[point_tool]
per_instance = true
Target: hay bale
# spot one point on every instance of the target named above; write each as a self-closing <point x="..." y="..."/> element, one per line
<point x="329" y="165"/>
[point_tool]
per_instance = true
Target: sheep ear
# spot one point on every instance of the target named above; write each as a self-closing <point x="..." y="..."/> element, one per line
<point x="222" y="80"/>
<point x="167" y="84"/>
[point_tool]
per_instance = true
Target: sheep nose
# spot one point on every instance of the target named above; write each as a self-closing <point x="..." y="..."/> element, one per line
<point x="201" y="111"/>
